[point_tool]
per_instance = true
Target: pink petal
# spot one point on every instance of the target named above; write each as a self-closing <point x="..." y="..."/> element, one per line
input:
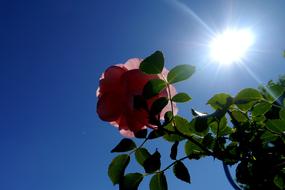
<point x="133" y="63"/>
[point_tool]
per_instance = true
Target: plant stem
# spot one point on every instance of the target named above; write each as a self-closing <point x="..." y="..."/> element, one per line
<point x="229" y="177"/>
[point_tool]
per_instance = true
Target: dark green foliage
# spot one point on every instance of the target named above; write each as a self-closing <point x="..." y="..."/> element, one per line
<point x="124" y="146"/>
<point x="192" y="150"/>
<point x="142" y="154"/>
<point x="158" y="182"/>
<point x="117" y="168"/>
<point x="152" y="163"/>
<point x="156" y="134"/>
<point x="174" y="148"/>
<point x="158" y="105"/>
<point x="181" y="172"/>
<point x="153" y="64"/>
<point x="141" y="134"/>
<point x="131" y="181"/>
<point x="246" y="130"/>
<point x="153" y="87"/>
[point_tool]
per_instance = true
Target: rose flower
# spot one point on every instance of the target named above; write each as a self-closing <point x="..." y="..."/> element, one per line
<point x="118" y="87"/>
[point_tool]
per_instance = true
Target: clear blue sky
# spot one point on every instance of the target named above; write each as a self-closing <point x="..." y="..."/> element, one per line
<point x="53" y="52"/>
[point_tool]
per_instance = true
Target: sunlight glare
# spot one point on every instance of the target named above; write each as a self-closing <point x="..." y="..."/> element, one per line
<point x="231" y="46"/>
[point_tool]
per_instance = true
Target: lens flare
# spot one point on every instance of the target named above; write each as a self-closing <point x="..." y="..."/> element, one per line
<point x="231" y="46"/>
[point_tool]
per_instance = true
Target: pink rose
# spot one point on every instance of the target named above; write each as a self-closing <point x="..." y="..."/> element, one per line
<point x="118" y="86"/>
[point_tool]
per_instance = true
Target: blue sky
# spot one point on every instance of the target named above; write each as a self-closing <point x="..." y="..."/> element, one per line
<point x="52" y="54"/>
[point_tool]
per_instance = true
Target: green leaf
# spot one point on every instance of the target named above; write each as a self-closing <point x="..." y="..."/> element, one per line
<point x="141" y="134"/>
<point x="274" y="92"/>
<point x="200" y="125"/>
<point x="268" y="137"/>
<point x="153" y="87"/>
<point x="181" y="172"/>
<point x="156" y="134"/>
<point x="152" y="163"/>
<point x="117" y="168"/>
<point x="276" y="125"/>
<point x="220" y="128"/>
<point x="141" y="155"/>
<point x="153" y="64"/>
<point x="279" y="181"/>
<point x="282" y="114"/>
<point x="131" y="181"/>
<point x="168" y="117"/>
<point x="181" y="97"/>
<point x="192" y="150"/>
<point x="182" y="125"/>
<point x="219" y="101"/>
<point x="124" y="146"/>
<point x="239" y="116"/>
<point x="158" y="182"/>
<point x="208" y="141"/>
<point x="246" y="98"/>
<point x="173" y="152"/>
<point x="180" y="73"/>
<point x="158" y="105"/>
<point x="173" y="137"/>
<point x="260" y="108"/>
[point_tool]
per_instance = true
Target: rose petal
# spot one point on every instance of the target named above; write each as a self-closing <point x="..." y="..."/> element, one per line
<point x="133" y="63"/>
<point x="111" y="80"/>
<point x="108" y="107"/>
<point x="135" y="80"/>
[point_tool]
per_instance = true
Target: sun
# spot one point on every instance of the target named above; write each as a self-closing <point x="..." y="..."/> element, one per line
<point x="231" y="46"/>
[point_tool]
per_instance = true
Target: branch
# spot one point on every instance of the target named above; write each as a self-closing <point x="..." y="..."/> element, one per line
<point x="229" y="177"/>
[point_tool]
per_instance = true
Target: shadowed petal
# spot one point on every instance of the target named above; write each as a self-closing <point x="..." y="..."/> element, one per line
<point x="108" y="107"/>
<point x="111" y="80"/>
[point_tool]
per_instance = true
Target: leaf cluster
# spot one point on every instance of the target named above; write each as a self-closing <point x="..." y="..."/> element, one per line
<point x="246" y="130"/>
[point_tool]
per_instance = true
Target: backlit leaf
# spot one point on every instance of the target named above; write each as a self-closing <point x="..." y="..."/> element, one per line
<point x="180" y="73"/>
<point x="246" y="98"/>
<point x="282" y="114"/>
<point x="276" y="125"/>
<point x="181" y="97"/>
<point x="153" y="64"/>
<point x="274" y="92"/>
<point x="192" y="150"/>
<point x="219" y="101"/>
<point x="260" y="109"/>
